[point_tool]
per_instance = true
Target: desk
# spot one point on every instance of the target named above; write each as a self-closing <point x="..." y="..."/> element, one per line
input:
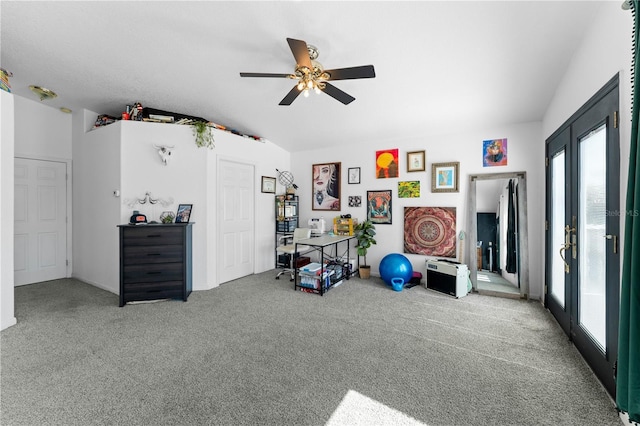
<point x="320" y="244"/>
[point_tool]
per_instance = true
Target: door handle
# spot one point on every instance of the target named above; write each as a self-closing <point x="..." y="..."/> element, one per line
<point x="567" y="243"/>
<point x="615" y="242"/>
<point x="566" y="265"/>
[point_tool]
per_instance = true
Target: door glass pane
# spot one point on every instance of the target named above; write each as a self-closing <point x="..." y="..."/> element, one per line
<point x="557" y="226"/>
<point x="592" y="229"/>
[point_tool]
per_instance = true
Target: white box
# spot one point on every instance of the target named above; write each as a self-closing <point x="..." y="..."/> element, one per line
<point x="447" y="277"/>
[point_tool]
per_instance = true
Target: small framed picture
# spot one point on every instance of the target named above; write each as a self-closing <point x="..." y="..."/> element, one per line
<point x="444" y="177"/>
<point x="415" y="161"/>
<point x="268" y="185"/>
<point x="379" y="207"/>
<point x="354" y="175"/>
<point x="184" y="213"/>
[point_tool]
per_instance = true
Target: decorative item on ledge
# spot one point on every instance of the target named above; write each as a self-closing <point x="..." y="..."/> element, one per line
<point x="204" y="134"/>
<point x="236" y="132"/>
<point x="4" y="80"/>
<point x="136" y="112"/>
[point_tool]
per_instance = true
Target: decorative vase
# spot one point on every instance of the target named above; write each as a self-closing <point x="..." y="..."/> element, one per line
<point x="167" y="217"/>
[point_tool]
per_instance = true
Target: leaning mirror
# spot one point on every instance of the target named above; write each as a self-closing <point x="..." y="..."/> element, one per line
<point x="498" y="237"/>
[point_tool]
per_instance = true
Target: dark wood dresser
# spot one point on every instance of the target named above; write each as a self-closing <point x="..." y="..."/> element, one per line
<point x="155" y="262"/>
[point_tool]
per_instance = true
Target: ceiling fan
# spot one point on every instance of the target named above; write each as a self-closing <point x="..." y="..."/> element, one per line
<point x="311" y="75"/>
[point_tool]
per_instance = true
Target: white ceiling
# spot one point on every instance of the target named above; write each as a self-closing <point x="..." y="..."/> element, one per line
<point x="440" y="66"/>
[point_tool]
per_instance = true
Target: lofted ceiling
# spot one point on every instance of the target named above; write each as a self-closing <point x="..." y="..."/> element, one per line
<point x="440" y="66"/>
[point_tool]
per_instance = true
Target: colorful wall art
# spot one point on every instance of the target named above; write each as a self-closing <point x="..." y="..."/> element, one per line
<point x="326" y="186"/>
<point x="379" y="207"/>
<point x="494" y="152"/>
<point x="430" y="231"/>
<point x="409" y="189"/>
<point x="387" y="165"/>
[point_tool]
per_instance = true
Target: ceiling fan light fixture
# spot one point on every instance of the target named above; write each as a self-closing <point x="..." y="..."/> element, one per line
<point x="310" y="74"/>
<point x="43" y="92"/>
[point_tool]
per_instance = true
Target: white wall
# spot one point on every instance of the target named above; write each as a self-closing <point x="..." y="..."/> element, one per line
<point x="266" y="158"/>
<point x="525" y="153"/>
<point x="605" y="50"/>
<point x="42" y="132"/>
<point x="96" y="212"/>
<point x="121" y="157"/>
<point x="7" y="313"/>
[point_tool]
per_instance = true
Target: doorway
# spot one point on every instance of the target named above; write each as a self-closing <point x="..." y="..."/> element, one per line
<point x="582" y="239"/>
<point x="236" y="218"/>
<point x="40" y="221"/>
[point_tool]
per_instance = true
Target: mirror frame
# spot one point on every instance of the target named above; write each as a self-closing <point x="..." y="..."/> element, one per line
<point x="522" y="228"/>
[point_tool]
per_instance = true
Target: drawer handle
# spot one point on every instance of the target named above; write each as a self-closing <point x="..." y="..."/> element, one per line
<point x="154" y="272"/>
<point x="154" y="254"/>
<point x="154" y="236"/>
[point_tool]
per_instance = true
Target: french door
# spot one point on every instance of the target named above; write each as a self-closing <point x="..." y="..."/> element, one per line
<point x="582" y="239"/>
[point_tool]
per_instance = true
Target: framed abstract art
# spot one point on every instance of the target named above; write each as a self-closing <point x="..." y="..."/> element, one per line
<point x="379" y="207"/>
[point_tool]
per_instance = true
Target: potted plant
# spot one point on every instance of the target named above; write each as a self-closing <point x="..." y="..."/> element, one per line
<point x="364" y="233"/>
<point x="204" y="134"/>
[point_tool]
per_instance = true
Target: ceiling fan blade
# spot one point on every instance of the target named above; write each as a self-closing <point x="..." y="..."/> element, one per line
<point x="364" y="71"/>
<point x="300" y="52"/>
<point x="263" y="74"/>
<point x="338" y="94"/>
<point x="291" y="96"/>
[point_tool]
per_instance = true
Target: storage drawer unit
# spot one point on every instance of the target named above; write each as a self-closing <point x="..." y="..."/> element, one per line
<point x="155" y="262"/>
<point x="287" y="225"/>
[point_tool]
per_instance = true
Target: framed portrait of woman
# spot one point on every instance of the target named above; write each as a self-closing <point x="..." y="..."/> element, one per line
<point x="326" y="186"/>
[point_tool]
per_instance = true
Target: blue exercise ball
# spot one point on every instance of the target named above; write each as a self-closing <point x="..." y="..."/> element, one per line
<point x="395" y="265"/>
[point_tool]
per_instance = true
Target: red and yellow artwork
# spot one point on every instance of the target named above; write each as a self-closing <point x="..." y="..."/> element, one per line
<point x="387" y="164"/>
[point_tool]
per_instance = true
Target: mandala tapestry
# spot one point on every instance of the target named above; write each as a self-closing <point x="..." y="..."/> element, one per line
<point x="430" y="231"/>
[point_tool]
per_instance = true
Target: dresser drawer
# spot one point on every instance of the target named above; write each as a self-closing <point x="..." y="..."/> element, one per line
<point x="138" y="255"/>
<point x="150" y="291"/>
<point x="153" y="272"/>
<point x="152" y="236"/>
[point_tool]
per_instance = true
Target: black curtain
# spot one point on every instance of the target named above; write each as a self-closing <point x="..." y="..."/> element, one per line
<point x="512" y="262"/>
<point x="517" y="204"/>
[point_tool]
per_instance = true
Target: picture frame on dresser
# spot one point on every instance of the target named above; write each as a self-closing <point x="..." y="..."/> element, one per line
<point x="184" y="213"/>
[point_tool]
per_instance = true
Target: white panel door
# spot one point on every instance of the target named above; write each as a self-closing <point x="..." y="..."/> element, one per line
<point x="40" y="228"/>
<point x="235" y="220"/>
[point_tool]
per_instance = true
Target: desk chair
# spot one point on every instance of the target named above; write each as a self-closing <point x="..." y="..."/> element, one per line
<point x="290" y="249"/>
